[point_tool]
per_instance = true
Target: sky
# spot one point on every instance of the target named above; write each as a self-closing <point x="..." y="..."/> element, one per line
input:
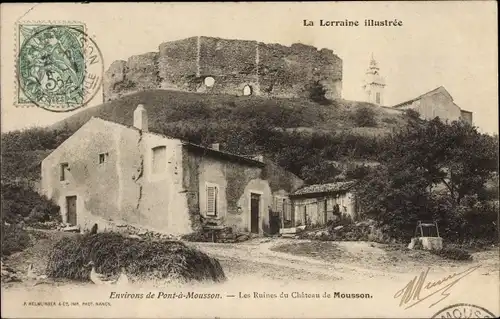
<point x="450" y="44"/>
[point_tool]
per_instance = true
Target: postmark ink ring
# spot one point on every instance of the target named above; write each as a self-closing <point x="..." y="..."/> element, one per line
<point x="59" y="67"/>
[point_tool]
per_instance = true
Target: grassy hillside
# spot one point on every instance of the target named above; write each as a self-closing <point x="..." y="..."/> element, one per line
<point x="298" y="134"/>
<point x="166" y="107"/>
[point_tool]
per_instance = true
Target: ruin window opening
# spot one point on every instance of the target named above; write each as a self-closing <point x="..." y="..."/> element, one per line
<point x="209" y="81"/>
<point x="377" y="97"/>
<point x="247" y="90"/>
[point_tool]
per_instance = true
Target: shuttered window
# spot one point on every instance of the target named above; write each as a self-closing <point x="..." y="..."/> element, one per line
<point x="212" y="194"/>
<point x="279" y="204"/>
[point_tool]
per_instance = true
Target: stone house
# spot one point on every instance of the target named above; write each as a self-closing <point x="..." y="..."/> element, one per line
<point x="111" y="172"/>
<point x="436" y="103"/>
<point x="317" y="204"/>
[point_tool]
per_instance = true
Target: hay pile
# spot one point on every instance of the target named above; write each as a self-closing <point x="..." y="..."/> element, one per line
<point x="142" y="259"/>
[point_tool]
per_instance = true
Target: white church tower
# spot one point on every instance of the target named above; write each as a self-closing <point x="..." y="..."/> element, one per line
<point x="374" y="84"/>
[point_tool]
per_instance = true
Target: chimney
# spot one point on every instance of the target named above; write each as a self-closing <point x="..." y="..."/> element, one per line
<point x="141" y="118"/>
<point x="215" y="146"/>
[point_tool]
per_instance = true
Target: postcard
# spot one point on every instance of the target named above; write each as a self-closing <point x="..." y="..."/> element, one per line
<point x="250" y="160"/>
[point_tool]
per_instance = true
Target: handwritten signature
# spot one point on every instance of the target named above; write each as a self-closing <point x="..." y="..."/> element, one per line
<point x="410" y="294"/>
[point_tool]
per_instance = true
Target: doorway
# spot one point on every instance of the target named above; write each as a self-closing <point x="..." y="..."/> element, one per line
<point x="254" y="212"/>
<point x="71" y="209"/>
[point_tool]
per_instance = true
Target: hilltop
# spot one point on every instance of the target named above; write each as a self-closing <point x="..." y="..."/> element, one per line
<point x="299" y="134"/>
<point x="167" y="107"/>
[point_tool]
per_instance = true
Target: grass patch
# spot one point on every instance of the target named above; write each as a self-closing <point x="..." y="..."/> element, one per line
<point x="141" y="259"/>
<point x="324" y="250"/>
<point x="453" y="253"/>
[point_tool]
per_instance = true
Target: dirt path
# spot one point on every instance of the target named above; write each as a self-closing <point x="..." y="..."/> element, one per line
<point x="260" y="253"/>
<point x="352" y="261"/>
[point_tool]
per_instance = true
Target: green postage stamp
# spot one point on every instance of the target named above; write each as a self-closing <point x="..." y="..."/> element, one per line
<point x="59" y="68"/>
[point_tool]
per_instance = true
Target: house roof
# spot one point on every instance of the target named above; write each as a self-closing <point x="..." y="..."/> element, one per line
<point x="337" y="187"/>
<point x="438" y="89"/>
<point x="222" y="154"/>
<point x="196" y="147"/>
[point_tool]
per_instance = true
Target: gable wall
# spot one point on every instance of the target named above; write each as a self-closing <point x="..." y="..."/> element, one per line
<point x="122" y="188"/>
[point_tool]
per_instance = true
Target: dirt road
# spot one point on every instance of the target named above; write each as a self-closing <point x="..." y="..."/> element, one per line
<point x="273" y="267"/>
<point x="351" y="261"/>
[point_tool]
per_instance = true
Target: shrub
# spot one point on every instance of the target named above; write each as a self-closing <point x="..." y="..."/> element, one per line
<point x="22" y="203"/>
<point x="317" y="93"/>
<point x="453" y="253"/>
<point x="357" y="172"/>
<point x="141" y="258"/>
<point x="364" y="117"/>
<point x="472" y="223"/>
<point x="14" y="239"/>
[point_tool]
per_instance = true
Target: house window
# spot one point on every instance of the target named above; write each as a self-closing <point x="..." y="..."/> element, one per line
<point x="377" y="97"/>
<point x="212" y="200"/>
<point x="64" y="171"/>
<point x="159" y="159"/>
<point x="103" y="157"/>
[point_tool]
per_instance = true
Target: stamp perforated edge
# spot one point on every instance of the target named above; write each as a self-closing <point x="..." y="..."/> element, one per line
<point x="17" y="43"/>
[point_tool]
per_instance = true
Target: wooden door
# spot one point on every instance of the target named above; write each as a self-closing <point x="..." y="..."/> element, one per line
<point x="71" y="206"/>
<point x="254" y="213"/>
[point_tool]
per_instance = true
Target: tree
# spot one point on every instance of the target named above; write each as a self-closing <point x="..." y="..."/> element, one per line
<point x="456" y="155"/>
<point x="420" y="160"/>
<point x="319" y="171"/>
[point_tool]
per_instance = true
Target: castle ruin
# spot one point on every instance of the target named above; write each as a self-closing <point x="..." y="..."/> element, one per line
<point x="236" y="67"/>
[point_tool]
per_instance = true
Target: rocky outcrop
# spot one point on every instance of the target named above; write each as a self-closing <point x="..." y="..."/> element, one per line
<point x="214" y="65"/>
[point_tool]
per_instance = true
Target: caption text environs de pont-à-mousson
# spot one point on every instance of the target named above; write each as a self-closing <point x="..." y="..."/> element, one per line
<point x="353" y="23"/>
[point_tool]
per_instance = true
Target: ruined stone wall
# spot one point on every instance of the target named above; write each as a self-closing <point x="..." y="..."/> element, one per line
<point x="268" y="69"/>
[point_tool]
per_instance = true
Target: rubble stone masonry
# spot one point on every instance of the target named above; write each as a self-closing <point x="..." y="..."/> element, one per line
<point x="214" y="65"/>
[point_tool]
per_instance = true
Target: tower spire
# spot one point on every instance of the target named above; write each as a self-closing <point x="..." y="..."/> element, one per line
<point x="374" y="83"/>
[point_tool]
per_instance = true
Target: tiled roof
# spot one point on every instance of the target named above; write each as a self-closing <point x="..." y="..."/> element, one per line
<point x="336" y="187"/>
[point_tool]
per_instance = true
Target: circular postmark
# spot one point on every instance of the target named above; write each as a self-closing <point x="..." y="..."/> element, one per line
<point x="464" y="310"/>
<point x="59" y="67"/>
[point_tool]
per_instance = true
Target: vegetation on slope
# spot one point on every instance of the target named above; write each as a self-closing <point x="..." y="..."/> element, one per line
<point x="300" y="135"/>
<point x="21" y="203"/>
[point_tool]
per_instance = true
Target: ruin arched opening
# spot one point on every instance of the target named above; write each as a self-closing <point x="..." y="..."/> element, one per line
<point x="247" y="90"/>
<point x="209" y="81"/>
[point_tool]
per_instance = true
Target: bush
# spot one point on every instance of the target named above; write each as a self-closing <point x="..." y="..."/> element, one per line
<point x="472" y="223"/>
<point x="317" y="93"/>
<point x="20" y="203"/>
<point x="14" y="239"/>
<point x="162" y="259"/>
<point x="453" y="253"/>
<point x="364" y="117"/>
<point x="358" y="172"/>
